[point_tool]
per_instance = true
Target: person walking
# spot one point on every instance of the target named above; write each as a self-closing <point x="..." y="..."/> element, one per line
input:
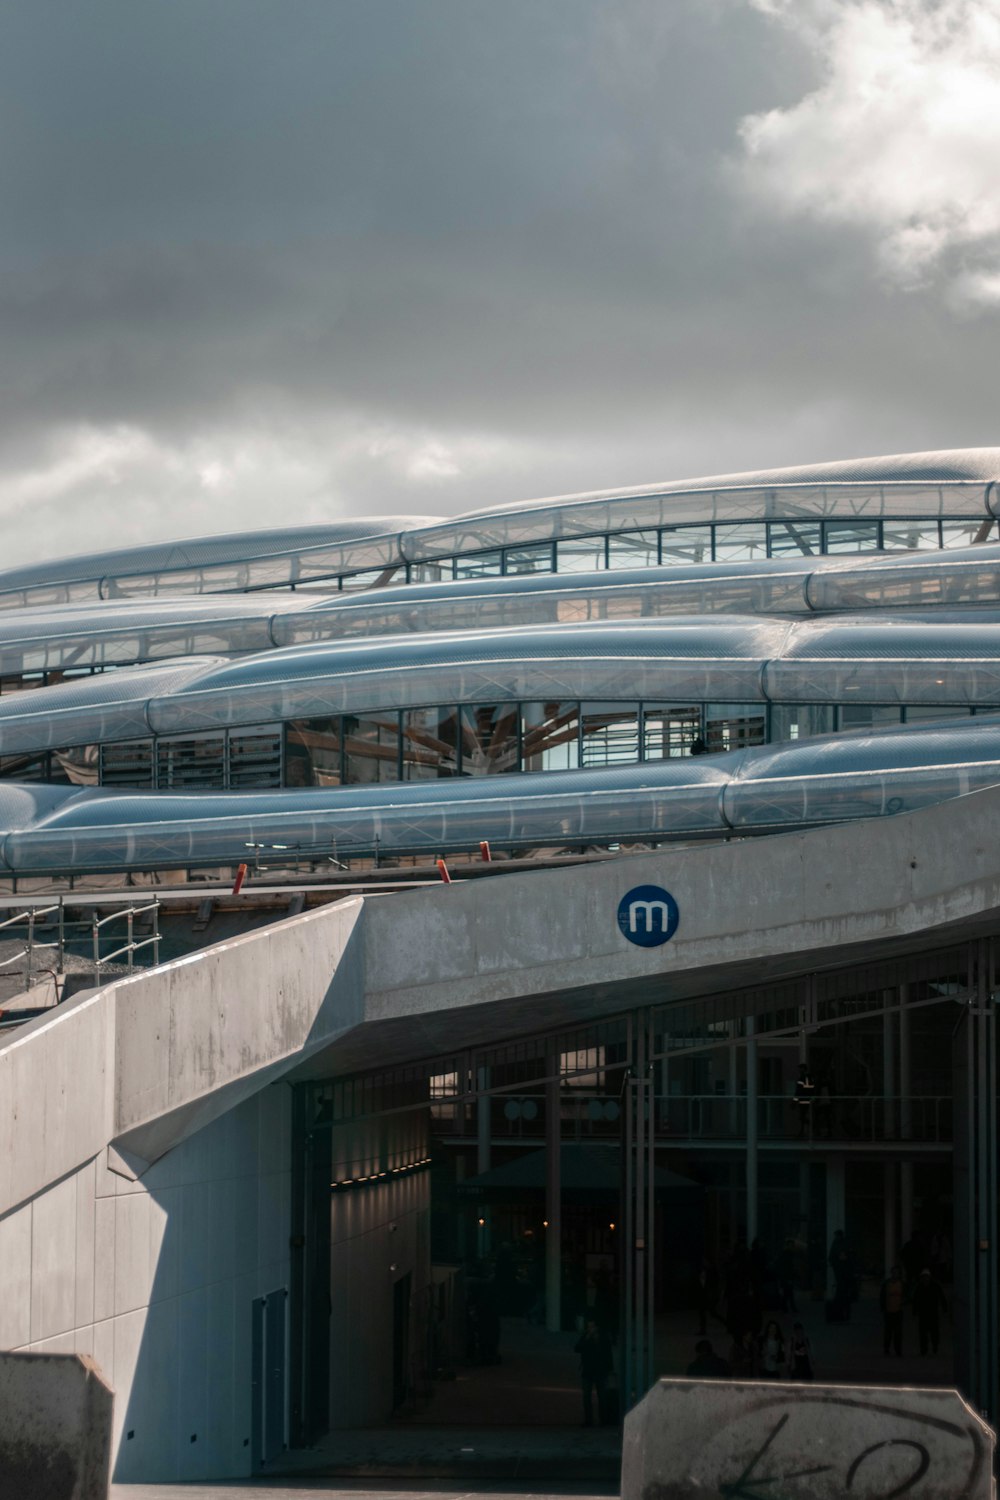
<point x="594" y="1349"/>
<point x="706" y="1293"/>
<point x="707" y="1365"/>
<point x="843" y="1277"/>
<point x="771" y="1352"/>
<point x="800" y="1361"/>
<point x="805" y="1092"/>
<point x="891" y="1300"/>
<point x="928" y="1304"/>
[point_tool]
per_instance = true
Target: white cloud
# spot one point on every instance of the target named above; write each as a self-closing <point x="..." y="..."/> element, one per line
<point x="901" y="137"/>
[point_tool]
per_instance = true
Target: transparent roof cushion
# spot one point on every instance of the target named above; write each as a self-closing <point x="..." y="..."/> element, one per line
<point x="91" y="709"/>
<point x="699" y="658"/>
<point x="201" y="551"/>
<point x="959" y="476"/>
<point x="921" y="640"/>
<point x="934" y="466"/>
<point x="807" y="782"/>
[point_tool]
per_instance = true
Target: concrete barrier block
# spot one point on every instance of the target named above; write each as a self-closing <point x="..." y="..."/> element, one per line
<point x="757" y="1440"/>
<point x="55" y="1428"/>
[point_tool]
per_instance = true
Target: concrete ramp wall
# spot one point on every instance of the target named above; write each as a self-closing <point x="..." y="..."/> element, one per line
<point x="145" y="1062"/>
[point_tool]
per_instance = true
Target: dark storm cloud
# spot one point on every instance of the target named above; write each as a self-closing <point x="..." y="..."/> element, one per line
<point x="351" y="255"/>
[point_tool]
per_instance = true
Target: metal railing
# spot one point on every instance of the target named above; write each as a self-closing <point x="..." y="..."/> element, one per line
<point x="49" y="933"/>
<point x="844" y="1118"/>
<point x="858" y="1118"/>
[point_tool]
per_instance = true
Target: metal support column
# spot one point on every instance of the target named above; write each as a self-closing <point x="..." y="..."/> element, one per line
<point x="639" y="1160"/>
<point x="890" y="1231"/>
<point x="907" y="1225"/>
<point x="985" y="1086"/>
<point x="751" y="1130"/>
<point x="553" y="1196"/>
<point x="484" y="1138"/>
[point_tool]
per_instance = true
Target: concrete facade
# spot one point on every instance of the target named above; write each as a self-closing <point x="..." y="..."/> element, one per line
<point x="145" y="1141"/>
<point x="155" y="1281"/>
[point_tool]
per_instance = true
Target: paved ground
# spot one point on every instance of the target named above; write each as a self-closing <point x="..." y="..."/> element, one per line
<point x="350" y="1490"/>
<point x="488" y="1429"/>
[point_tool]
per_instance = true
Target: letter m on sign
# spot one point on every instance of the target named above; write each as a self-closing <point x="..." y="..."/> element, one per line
<point x="649" y="909"/>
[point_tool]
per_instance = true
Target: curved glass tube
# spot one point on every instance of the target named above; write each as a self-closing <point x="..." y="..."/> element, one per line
<point x="243" y="560"/>
<point x="728" y="659"/>
<point x="816" y="782"/>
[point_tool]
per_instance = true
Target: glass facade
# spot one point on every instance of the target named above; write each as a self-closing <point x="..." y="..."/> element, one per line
<point x="733" y="541"/>
<point x="426" y="744"/>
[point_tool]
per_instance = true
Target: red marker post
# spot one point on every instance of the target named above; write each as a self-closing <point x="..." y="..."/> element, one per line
<point x="241" y="875"/>
<point x="484" y="850"/>
<point x="443" y="872"/>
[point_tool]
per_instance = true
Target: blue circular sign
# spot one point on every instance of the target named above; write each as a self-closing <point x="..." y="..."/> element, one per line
<point x="648" y="915"/>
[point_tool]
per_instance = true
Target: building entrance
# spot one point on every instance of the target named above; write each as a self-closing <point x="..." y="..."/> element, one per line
<point x="527" y="1235"/>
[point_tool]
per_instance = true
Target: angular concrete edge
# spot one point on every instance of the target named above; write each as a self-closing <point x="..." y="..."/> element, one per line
<point x="144" y="1062"/>
<point x="56" y="1418"/>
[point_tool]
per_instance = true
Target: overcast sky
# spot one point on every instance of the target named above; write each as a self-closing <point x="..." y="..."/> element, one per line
<point x="287" y="260"/>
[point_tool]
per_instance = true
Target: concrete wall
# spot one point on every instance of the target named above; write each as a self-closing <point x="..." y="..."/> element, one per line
<point x="147" y="1061"/>
<point x="536" y="943"/>
<point x="379" y="1234"/>
<point x="155" y="1280"/>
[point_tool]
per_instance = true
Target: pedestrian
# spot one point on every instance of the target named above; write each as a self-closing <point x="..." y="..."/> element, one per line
<point x="743" y="1357"/>
<point x="785" y="1272"/>
<point x="800" y="1361"/>
<point x="707" y="1365"/>
<point x="771" y="1352"/>
<point x="928" y="1304"/>
<point x="594" y="1349"/>
<point x="805" y="1091"/>
<point x="842" y="1267"/>
<point x="940" y="1254"/>
<point x="891" y="1300"/>
<point x="706" y="1293"/>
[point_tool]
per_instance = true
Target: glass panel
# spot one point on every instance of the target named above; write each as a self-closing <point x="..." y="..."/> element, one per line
<point x="799" y="721"/>
<point x="312" y="752"/>
<point x="371" y="749"/>
<point x="127" y="764"/>
<point x="489" y="739"/>
<point x="741" y="543"/>
<point x="194" y="761"/>
<point x="581" y="556"/>
<point x="432" y="572"/>
<point x="480" y="565"/>
<point x="686" y="544"/>
<point x="634" y="549"/>
<point x="919" y="713"/>
<point x="966" y="533"/>
<point x="669" y="732"/>
<point x="255" y="757"/>
<point x="430" y="743"/>
<point x="732" y="726"/>
<point x="851" y="536"/>
<point x="795" y="538"/>
<point x="377" y="578"/>
<point x="899" y="536"/>
<point x="33" y="767"/>
<point x="549" y="736"/>
<point x="866" y="715"/>
<point x="530" y="559"/>
<point x="610" y="734"/>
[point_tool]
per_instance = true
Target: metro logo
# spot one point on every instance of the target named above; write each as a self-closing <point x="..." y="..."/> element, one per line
<point x="648" y="916"/>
